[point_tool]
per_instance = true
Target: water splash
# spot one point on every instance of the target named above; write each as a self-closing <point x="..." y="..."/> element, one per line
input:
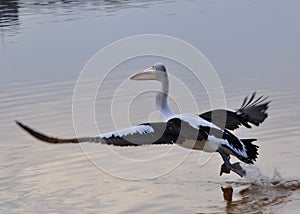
<point x="256" y="177"/>
<point x="280" y="182"/>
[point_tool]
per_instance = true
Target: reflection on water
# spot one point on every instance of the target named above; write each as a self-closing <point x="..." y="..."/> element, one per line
<point x="9" y="10"/>
<point x="254" y="198"/>
<point x="263" y="194"/>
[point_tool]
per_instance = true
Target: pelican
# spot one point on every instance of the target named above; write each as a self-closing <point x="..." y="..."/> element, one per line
<point x="252" y="110"/>
<point x="191" y="131"/>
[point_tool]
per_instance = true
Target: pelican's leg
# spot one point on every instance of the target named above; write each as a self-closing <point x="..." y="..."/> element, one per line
<point x="226" y="166"/>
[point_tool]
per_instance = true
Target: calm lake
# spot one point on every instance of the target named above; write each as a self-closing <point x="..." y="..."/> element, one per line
<point x="44" y="46"/>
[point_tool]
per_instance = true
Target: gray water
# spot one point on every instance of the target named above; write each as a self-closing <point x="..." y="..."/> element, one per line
<point x="253" y="46"/>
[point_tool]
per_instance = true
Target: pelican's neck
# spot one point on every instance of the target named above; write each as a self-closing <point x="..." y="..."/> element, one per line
<point x="162" y="100"/>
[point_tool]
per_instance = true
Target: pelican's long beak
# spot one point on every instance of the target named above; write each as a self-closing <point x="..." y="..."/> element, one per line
<point x="147" y="74"/>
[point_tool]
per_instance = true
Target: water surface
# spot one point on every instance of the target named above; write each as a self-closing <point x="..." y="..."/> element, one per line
<point x="253" y="45"/>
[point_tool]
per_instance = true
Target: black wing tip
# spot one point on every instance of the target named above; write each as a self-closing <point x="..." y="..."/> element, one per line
<point x="42" y="137"/>
<point x="250" y="101"/>
<point x="254" y="110"/>
<point x="20" y="124"/>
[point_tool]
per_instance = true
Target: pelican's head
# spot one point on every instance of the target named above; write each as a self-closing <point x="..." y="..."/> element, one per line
<point x="157" y="72"/>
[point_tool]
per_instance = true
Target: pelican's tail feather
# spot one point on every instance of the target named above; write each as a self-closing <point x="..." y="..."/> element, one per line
<point x="251" y="149"/>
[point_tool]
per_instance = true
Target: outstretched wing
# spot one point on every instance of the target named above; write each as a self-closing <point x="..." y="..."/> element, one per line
<point x="144" y="134"/>
<point x="253" y="111"/>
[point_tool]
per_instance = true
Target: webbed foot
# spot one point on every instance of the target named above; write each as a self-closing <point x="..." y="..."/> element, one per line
<point x="233" y="167"/>
<point x="224" y="169"/>
<point x="238" y="169"/>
